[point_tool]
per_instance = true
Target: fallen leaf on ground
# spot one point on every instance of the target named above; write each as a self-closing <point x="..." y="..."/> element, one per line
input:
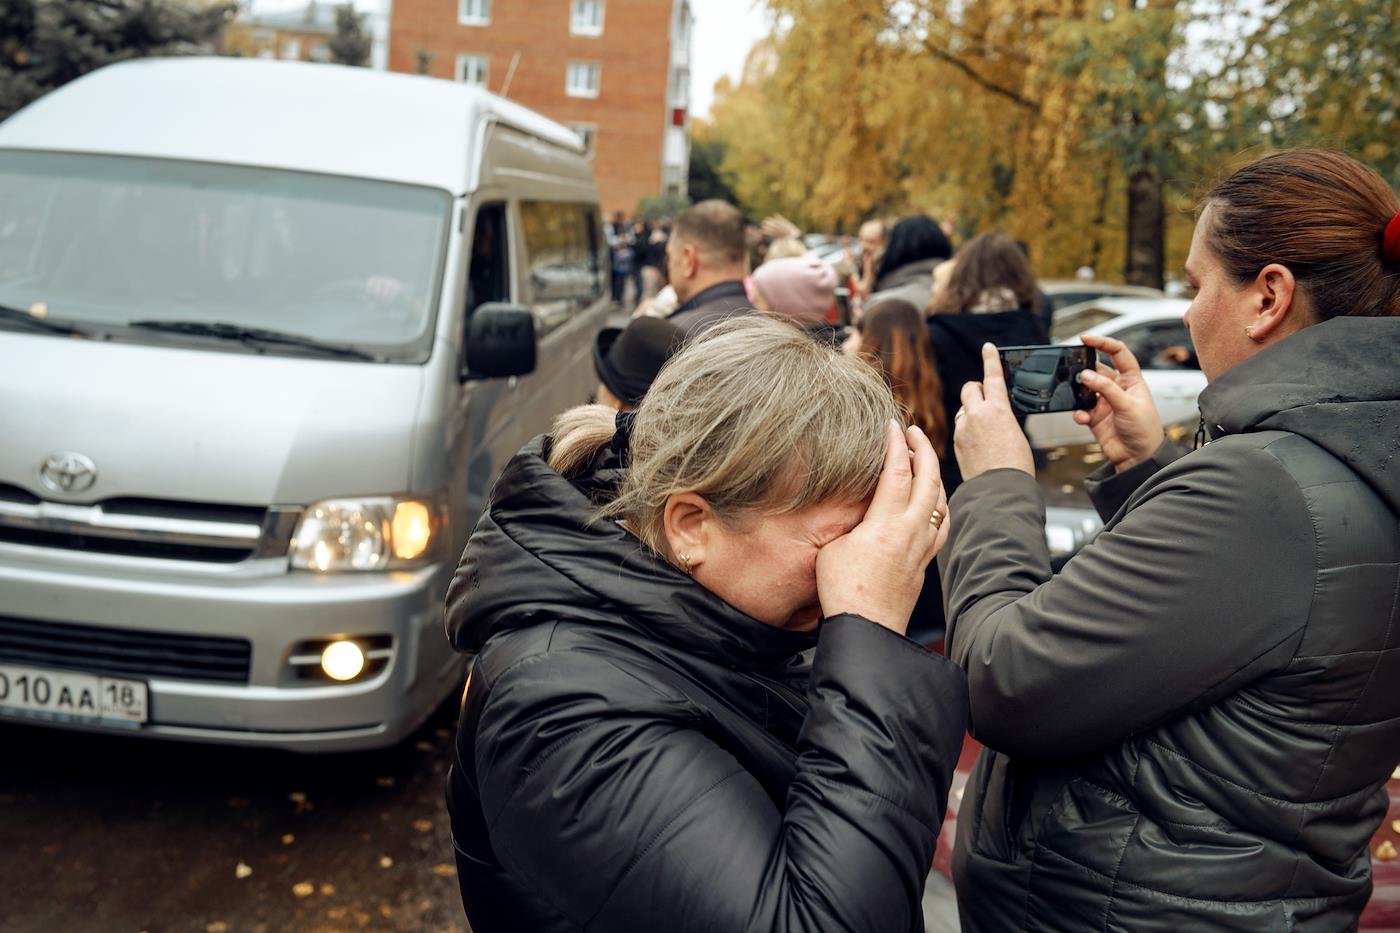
<point x="443" y="870"/>
<point x="385" y="862"/>
<point x="217" y="926"/>
<point x="337" y="913"/>
<point x="242" y="871"/>
<point x="303" y="889"/>
<point x="288" y="839"/>
<point x="327" y="889"/>
<point x="386" y="911"/>
<point x="423" y="826"/>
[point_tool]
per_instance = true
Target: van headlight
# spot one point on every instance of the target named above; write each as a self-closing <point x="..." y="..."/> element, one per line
<point x="367" y="533"/>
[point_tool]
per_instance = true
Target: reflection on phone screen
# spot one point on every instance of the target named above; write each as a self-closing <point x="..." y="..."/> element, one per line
<point x="1046" y="379"/>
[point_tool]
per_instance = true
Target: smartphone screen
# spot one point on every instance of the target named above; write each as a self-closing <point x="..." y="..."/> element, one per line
<point x="1045" y="379"/>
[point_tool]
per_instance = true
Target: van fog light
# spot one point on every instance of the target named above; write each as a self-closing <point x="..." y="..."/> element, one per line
<point x="342" y="660"/>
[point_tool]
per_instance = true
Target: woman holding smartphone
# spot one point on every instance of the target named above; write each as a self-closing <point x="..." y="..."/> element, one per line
<point x="1190" y="726"/>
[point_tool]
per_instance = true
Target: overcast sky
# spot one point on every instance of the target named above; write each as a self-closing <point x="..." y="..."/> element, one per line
<point x="725" y="30"/>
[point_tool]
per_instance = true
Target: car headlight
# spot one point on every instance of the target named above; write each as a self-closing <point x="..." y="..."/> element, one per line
<point x="367" y="533"/>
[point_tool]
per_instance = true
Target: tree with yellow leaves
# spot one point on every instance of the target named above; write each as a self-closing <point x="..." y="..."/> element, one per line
<point x="1084" y="128"/>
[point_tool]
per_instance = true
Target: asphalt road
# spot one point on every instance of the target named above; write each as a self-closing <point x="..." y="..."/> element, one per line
<point x="126" y="835"/>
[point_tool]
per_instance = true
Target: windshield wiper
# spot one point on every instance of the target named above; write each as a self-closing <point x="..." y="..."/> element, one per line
<point x="253" y="335"/>
<point x="20" y="316"/>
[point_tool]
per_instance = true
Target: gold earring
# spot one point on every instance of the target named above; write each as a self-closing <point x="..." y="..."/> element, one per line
<point x="685" y="564"/>
<point x="1249" y="332"/>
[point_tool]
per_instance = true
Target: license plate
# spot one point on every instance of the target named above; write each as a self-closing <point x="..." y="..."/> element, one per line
<point x="67" y="695"/>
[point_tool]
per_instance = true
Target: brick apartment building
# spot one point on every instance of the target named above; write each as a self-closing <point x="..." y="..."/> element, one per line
<point x="617" y="71"/>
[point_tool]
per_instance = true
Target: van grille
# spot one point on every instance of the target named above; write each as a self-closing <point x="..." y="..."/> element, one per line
<point x="123" y="652"/>
<point x="154" y="528"/>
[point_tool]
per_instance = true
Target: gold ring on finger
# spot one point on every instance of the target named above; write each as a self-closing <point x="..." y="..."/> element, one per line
<point x="936" y="519"/>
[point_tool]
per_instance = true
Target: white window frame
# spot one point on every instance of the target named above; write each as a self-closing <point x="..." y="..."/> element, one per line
<point x="474" y="12"/>
<point x="291" y="49"/>
<point x="463" y="58"/>
<point x="577" y="26"/>
<point x="578" y="90"/>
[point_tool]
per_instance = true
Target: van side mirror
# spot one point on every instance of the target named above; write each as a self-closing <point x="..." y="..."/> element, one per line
<point x="500" y="341"/>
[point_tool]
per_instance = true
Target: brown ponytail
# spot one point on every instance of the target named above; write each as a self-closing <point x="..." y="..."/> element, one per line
<point x="1320" y="213"/>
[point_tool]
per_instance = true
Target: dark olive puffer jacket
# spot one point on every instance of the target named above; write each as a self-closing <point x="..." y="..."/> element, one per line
<point x="1190" y="727"/>
<point x="634" y="754"/>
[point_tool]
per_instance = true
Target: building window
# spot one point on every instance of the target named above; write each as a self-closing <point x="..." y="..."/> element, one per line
<point x="583" y="79"/>
<point x="587" y="18"/>
<point x="474" y="12"/>
<point x="291" y="48"/>
<point x="474" y="69"/>
<point x="588" y="134"/>
<point x="679" y="92"/>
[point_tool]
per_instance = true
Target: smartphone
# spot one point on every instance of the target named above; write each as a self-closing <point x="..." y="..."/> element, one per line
<point x="1045" y="379"/>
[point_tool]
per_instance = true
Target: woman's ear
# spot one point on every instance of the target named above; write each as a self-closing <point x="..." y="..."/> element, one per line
<point x="686" y="523"/>
<point x="1277" y="310"/>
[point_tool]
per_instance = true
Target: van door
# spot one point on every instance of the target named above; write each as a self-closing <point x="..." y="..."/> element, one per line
<point x="566" y="280"/>
<point x="484" y="432"/>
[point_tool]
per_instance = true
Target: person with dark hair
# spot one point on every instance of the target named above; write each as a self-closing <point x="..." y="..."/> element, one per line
<point x="916" y="244"/>
<point x="989" y="298"/>
<point x="892" y="339"/>
<point x="627" y="359"/>
<point x="706" y="261"/>
<point x="1191" y="725"/>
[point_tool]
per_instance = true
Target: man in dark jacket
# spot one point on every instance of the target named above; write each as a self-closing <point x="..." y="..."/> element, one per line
<point x="705" y="261"/>
<point x="1190" y="727"/>
<point x="635" y="754"/>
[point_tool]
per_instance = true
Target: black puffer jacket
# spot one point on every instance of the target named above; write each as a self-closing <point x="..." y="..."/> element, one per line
<point x="1190" y="727"/>
<point x="634" y="754"/>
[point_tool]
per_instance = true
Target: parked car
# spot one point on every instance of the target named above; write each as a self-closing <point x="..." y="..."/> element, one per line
<point x="1065" y="292"/>
<point x="1154" y="331"/>
<point x="264" y="357"/>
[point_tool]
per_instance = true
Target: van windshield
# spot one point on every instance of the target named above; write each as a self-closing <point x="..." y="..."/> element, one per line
<point x="104" y="241"/>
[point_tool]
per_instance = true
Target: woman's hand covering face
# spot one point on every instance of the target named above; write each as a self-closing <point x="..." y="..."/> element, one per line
<point x="877" y="570"/>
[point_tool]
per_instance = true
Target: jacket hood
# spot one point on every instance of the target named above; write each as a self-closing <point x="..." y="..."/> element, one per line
<point x="535" y="557"/>
<point x="1336" y="383"/>
<point x="916" y="271"/>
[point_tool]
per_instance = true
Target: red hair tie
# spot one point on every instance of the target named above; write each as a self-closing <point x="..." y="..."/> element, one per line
<point x="1390" y="241"/>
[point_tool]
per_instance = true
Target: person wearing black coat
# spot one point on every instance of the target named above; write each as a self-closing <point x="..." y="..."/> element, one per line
<point x="1191" y="726"/>
<point x="659" y="733"/>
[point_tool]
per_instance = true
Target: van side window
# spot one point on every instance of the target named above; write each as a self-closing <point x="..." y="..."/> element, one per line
<point x="488" y="278"/>
<point x="562" y="258"/>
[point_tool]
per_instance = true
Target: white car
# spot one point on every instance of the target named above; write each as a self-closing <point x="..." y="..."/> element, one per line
<point x="1154" y="331"/>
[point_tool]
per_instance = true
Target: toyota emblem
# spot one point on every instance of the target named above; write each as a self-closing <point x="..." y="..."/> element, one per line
<point x="68" y="472"/>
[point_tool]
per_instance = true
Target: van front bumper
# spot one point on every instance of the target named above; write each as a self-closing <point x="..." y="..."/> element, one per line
<point x="274" y="612"/>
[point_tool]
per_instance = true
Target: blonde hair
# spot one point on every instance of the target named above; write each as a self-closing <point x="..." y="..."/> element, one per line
<point x="754" y="415"/>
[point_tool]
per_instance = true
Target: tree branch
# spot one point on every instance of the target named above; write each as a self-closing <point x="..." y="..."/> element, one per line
<point x="985" y="83"/>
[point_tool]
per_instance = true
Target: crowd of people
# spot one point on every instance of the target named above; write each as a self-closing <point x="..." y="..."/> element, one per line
<point x="702" y="697"/>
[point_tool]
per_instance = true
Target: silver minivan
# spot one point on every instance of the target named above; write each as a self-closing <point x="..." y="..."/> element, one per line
<point x="268" y="332"/>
